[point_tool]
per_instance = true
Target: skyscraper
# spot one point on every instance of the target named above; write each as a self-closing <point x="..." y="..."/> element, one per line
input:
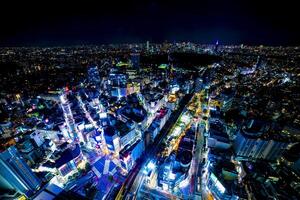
<point x="15" y="173"/>
<point x="93" y="76"/>
<point x="250" y="143"/>
<point x="118" y="84"/>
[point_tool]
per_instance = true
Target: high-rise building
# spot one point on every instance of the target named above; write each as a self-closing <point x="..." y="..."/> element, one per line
<point x="250" y="143"/>
<point x="130" y="155"/>
<point x="135" y="60"/>
<point x="93" y="76"/>
<point x="15" y="174"/>
<point x="118" y="85"/>
<point x="68" y="117"/>
<point x="112" y="139"/>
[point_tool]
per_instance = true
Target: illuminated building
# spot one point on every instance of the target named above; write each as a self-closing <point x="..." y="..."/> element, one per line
<point x="198" y="85"/>
<point x="94" y="77"/>
<point x="158" y="123"/>
<point x="131" y="73"/>
<point x="135" y="60"/>
<point x="217" y="188"/>
<point x="118" y="85"/>
<point x="48" y="144"/>
<point x="172" y="102"/>
<point x="32" y="153"/>
<point x="227" y="96"/>
<point x="218" y="137"/>
<point x="15" y="174"/>
<point x="38" y="138"/>
<point x="104" y="166"/>
<point x="112" y="139"/>
<point x="127" y="133"/>
<point x="249" y="143"/>
<point x="133" y="88"/>
<point x="52" y="191"/>
<point x="68" y="117"/>
<point x="153" y="131"/>
<point x="175" y="171"/>
<point x="131" y="154"/>
<point x="68" y="160"/>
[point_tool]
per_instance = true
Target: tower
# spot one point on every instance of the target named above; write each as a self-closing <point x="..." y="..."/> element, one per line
<point x="16" y="174"/>
<point x="217" y="46"/>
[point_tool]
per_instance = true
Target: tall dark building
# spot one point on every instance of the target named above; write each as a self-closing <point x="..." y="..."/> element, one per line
<point x="135" y="60"/>
<point x="15" y="174"/>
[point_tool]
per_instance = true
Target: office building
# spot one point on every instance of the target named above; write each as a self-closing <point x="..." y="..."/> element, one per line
<point x="118" y="85"/>
<point x="69" y="159"/>
<point x="129" y="155"/>
<point x="250" y="143"/>
<point x="16" y="174"/>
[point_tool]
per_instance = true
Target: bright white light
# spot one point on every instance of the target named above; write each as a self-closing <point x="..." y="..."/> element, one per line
<point x="172" y="176"/>
<point x="88" y="126"/>
<point x="151" y="165"/>
<point x="177" y="131"/>
<point x="220" y="187"/>
<point x="103" y="115"/>
<point x="218" y="184"/>
<point x="165" y="186"/>
<point x="81" y="127"/>
<point x="286" y="79"/>
<point x="212" y="108"/>
<point x="63" y="98"/>
<point x="184" y="183"/>
<point x="98" y="138"/>
<point x="185" y="119"/>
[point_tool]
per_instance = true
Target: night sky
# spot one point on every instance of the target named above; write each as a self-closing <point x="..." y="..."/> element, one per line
<point x="50" y="23"/>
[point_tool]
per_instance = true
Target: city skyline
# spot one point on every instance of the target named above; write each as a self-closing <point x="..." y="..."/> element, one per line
<point x="230" y="22"/>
